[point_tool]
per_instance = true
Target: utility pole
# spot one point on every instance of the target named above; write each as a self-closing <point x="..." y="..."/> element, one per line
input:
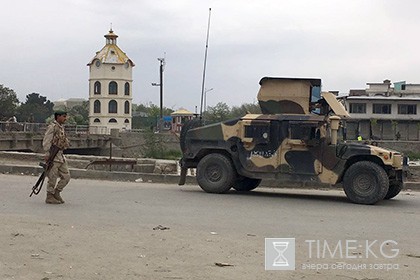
<point x="204" y="67"/>
<point x="205" y="99"/>
<point x="161" y="68"/>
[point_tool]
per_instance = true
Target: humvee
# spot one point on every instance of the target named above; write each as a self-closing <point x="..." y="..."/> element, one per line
<point x="297" y="138"/>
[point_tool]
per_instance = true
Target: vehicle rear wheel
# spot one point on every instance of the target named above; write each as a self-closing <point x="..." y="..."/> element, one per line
<point x="365" y="182"/>
<point x="245" y="184"/>
<point x="394" y="189"/>
<point x="215" y="173"/>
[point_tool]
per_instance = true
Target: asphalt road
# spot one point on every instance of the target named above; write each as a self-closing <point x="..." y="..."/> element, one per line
<point x="105" y="230"/>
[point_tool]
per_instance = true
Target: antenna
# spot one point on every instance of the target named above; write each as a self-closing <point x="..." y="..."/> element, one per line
<point x="205" y="64"/>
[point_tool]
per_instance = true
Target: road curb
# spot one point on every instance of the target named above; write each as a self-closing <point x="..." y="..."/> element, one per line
<point x="155" y="178"/>
<point x="100" y="175"/>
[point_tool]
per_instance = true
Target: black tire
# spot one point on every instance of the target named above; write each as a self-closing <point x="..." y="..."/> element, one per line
<point x="394" y="189"/>
<point x="187" y="126"/>
<point x="215" y="173"/>
<point x="365" y="182"/>
<point x="245" y="184"/>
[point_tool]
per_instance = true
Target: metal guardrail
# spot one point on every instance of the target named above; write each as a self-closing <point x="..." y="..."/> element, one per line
<point x="76" y="129"/>
<point x="98" y="130"/>
<point x="71" y="129"/>
<point x="134" y="130"/>
<point x="22" y="127"/>
<point x="40" y="128"/>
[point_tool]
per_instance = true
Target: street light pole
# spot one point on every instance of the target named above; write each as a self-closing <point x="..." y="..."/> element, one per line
<point x="204" y="67"/>
<point x="205" y="98"/>
<point x="162" y="64"/>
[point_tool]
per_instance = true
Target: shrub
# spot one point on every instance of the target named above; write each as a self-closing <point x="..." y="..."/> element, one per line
<point x="155" y="148"/>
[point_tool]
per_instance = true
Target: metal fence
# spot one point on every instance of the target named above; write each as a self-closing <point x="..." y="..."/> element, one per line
<point x="41" y="128"/>
<point x="76" y="129"/>
<point x="98" y="130"/>
<point x="22" y="127"/>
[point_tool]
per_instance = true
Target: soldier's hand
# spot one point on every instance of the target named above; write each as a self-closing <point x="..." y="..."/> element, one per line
<point x="46" y="158"/>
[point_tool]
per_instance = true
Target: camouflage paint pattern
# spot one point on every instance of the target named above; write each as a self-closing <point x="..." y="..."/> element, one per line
<point x="291" y="146"/>
<point x="278" y="154"/>
<point x="294" y="97"/>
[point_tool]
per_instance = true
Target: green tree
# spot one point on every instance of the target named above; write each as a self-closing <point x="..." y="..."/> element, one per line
<point x="146" y="116"/>
<point x="139" y="110"/>
<point x="80" y="113"/>
<point x="219" y="112"/>
<point x="8" y="103"/>
<point x="154" y="147"/>
<point x="37" y="107"/>
<point x="246" y="108"/>
<point x="150" y="110"/>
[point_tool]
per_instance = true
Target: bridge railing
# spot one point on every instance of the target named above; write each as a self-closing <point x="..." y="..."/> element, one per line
<point x="22" y="127"/>
<point x="98" y="130"/>
<point x="41" y="128"/>
<point x="76" y="129"/>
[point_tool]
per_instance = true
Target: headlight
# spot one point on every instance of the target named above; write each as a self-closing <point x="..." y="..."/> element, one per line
<point x="397" y="161"/>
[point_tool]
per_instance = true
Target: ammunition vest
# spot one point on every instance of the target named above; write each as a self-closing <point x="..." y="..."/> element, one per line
<point x="59" y="138"/>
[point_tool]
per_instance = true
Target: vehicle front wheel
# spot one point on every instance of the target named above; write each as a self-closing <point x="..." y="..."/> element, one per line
<point x="245" y="184"/>
<point x="394" y="189"/>
<point x="365" y="182"/>
<point x="215" y="173"/>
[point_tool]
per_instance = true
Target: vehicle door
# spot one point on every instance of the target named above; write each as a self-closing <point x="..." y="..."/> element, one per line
<point x="260" y="142"/>
<point x="301" y="151"/>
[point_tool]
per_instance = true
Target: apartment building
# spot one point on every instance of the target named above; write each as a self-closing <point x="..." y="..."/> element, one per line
<point x="384" y="111"/>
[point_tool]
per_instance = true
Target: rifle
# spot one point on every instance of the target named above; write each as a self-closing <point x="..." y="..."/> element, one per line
<point x="47" y="167"/>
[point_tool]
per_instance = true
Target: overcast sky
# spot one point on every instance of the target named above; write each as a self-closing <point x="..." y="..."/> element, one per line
<point x="46" y="44"/>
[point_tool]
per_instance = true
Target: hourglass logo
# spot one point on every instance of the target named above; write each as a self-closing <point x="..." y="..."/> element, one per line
<point x="279" y="254"/>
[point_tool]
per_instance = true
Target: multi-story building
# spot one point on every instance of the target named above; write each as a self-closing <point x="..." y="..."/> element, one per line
<point x="383" y="111"/>
<point x="110" y="88"/>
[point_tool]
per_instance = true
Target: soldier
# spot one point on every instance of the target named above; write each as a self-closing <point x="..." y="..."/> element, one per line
<point x="55" y="135"/>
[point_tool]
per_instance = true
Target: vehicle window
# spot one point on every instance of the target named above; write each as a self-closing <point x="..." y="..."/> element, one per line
<point x="260" y="133"/>
<point x="304" y="131"/>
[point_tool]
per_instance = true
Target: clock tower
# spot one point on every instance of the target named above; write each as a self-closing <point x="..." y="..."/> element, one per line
<point x="110" y="88"/>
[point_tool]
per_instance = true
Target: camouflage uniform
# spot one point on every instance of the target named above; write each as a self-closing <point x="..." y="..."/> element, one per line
<point x="55" y="135"/>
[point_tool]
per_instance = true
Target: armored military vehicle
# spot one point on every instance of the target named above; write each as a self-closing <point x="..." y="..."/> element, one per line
<point x="297" y="139"/>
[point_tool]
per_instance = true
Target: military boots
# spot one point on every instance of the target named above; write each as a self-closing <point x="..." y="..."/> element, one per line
<point x="57" y="196"/>
<point x="51" y="199"/>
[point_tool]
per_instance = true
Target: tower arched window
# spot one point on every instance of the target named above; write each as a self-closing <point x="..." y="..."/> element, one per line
<point x="97" y="107"/>
<point x="96" y="120"/>
<point x="113" y="88"/>
<point x="97" y="88"/>
<point x="127" y="88"/>
<point x="126" y="107"/>
<point x="112" y="107"/>
<point x="126" y="121"/>
<point x="112" y="121"/>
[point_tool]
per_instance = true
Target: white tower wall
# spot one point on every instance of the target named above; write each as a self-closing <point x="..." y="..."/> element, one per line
<point x="110" y="65"/>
